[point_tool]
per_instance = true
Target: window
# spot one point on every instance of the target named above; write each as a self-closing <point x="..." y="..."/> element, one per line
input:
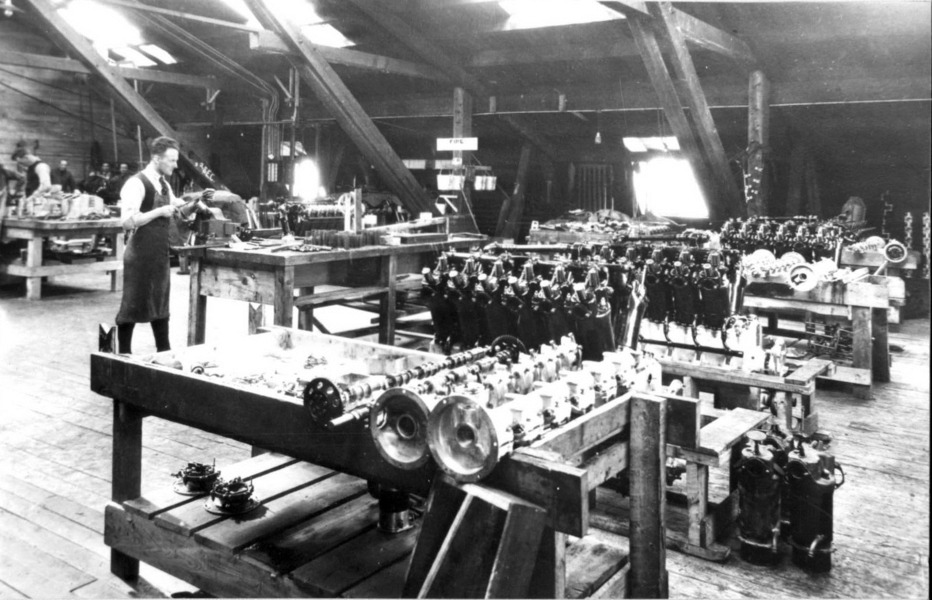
<point x="666" y="186"/>
<point x="306" y="179"/>
<point x="113" y="36"/>
<point x="531" y="14"/>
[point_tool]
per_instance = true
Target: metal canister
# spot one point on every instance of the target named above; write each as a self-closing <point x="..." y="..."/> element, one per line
<point x="758" y="481"/>
<point x="810" y="476"/>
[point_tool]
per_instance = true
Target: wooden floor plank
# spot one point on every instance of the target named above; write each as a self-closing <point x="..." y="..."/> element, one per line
<point x="23" y="567"/>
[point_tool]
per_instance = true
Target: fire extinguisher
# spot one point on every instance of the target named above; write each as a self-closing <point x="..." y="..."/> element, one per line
<point x="810" y="477"/>
<point x="759" y="480"/>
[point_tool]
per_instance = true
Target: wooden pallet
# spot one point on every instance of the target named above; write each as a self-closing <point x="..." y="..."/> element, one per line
<point x="314" y="535"/>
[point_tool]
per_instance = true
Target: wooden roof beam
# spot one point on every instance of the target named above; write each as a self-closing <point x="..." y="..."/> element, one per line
<point x="437" y="56"/>
<point x="694" y="30"/>
<point x="340" y="102"/>
<point x="268" y="41"/>
<point x="682" y="62"/>
<point x="69" y="65"/>
<point x="141" y="110"/>
<point x="666" y="92"/>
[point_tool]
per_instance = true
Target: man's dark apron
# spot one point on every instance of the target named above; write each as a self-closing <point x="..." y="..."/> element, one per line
<point x="146" y="265"/>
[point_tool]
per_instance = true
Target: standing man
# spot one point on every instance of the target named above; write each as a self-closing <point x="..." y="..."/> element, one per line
<point x="38" y="173"/>
<point x="147" y="208"/>
<point x="63" y="177"/>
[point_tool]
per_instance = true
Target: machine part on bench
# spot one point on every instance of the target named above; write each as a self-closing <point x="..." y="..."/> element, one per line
<point x="395" y="514"/>
<point x="234" y="497"/>
<point x="398" y="424"/>
<point x="196" y="479"/>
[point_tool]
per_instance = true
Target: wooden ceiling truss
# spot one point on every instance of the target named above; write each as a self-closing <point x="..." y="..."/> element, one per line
<point x="143" y="112"/>
<point x="350" y="116"/>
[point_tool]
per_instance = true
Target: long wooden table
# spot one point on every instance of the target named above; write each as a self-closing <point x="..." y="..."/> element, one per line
<point x="36" y="231"/>
<point x="267" y="277"/>
<point x="546" y="485"/>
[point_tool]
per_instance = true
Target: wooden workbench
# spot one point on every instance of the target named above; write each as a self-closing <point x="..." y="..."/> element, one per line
<point x="266" y="277"/>
<point x="536" y="496"/>
<point x="35" y="231"/>
<point x="863" y="304"/>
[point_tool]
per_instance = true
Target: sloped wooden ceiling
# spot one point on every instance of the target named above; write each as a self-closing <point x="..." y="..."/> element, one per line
<point x="852" y="77"/>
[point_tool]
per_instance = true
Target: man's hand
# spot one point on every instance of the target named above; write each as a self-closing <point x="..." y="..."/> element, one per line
<point x="207" y="196"/>
<point x="166" y="211"/>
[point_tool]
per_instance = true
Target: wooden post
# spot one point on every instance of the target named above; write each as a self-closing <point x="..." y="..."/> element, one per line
<point x="549" y="578"/>
<point x="256" y="318"/>
<point x="648" y="497"/>
<point x="34" y="260"/>
<point x="462" y="127"/>
<point x="697" y="502"/>
<point x="388" y="300"/>
<point x="284" y="297"/>
<point x="511" y="209"/>
<point x="757" y="192"/>
<point x="197" y="305"/>
<point x="665" y="17"/>
<point x="880" y="348"/>
<point x="796" y="179"/>
<point x="660" y="79"/>
<point x="126" y="474"/>
<point x="116" y="277"/>
<point x="862" y="325"/>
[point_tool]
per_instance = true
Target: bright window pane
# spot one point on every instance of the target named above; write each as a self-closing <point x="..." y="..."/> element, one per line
<point x="325" y="34"/>
<point x="103" y="25"/>
<point x="530" y="14"/>
<point x="667" y="187"/>
<point x="306" y="179"/>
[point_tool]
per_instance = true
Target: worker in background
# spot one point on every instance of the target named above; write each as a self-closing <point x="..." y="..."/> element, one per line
<point x="118" y="180"/>
<point x="63" y="177"/>
<point x="109" y="195"/>
<point x="94" y="183"/>
<point x="38" y="173"/>
<point x="148" y="206"/>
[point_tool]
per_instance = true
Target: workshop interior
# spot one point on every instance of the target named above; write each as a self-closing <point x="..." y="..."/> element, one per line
<point x="507" y="298"/>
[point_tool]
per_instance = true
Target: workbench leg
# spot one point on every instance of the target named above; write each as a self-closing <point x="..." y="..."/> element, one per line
<point x="647" y="473"/>
<point x="697" y="501"/>
<point x="306" y="314"/>
<point x="284" y="297"/>
<point x="116" y="277"/>
<point x="773" y="322"/>
<point x="197" y="306"/>
<point x="862" y="334"/>
<point x="881" y="346"/>
<point x="690" y="387"/>
<point x="256" y="318"/>
<point x="549" y="578"/>
<point x="441" y="510"/>
<point x="387" y="302"/>
<point x="126" y="474"/>
<point x="34" y="260"/>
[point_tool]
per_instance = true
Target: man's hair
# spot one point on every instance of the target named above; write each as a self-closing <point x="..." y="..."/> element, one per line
<point x="19" y="153"/>
<point x="161" y="144"/>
